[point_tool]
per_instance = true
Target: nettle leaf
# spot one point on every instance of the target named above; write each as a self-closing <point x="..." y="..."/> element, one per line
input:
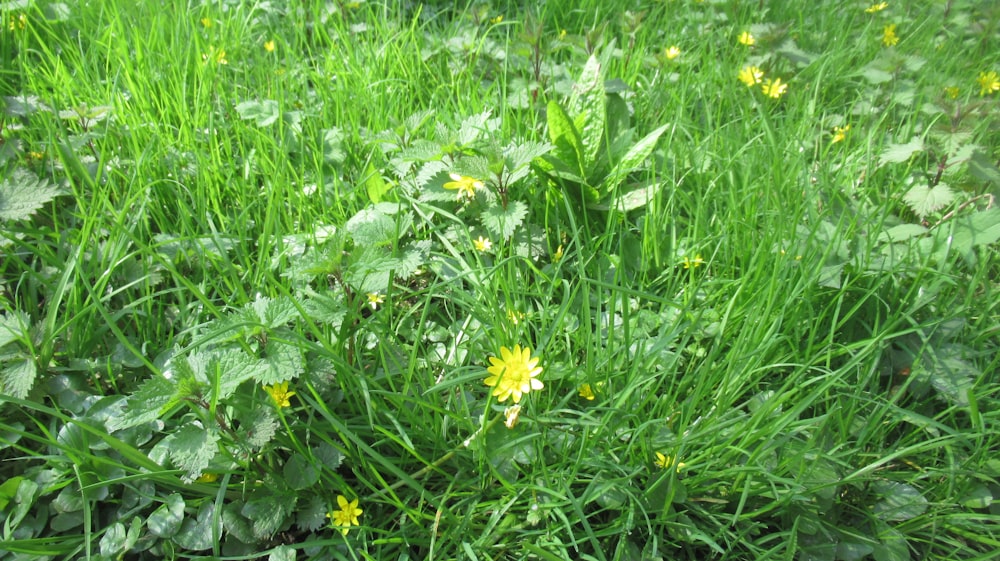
<point x="372" y="273"/>
<point x="517" y="158"/>
<point x="274" y="312"/>
<point x="263" y="113"/>
<point x="155" y="396"/>
<point x="23" y="193"/>
<point x="588" y="102"/>
<point x="473" y="127"/>
<point x="18" y="376"/>
<point x="260" y="429"/>
<point x="380" y="224"/>
<point x="502" y="222"/>
<point x="13" y="326"/>
<point x="899" y="501"/>
<point x="282" y="363"/>
<point x="899" y="153"/>
<point x="268" y="510"/>
<point x="236" y="367"/>
<point x="192" y="448"/>
<point x="924" y="200"/>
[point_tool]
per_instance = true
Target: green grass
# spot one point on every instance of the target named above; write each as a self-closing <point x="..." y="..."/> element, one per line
<point x="791" y="342"/>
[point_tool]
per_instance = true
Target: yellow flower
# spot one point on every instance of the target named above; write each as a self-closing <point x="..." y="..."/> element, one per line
<point x="374" y="299"/>
<point x="207" y="478"/>
<point x="774" y="88"/>
<point x="693" y="263"/>
<point x="269" y="46"/>
<point x="746" y="38"/>
<point x="751" y="75"/>
<point x="280" y="394"/>
<point x="672" y="52"/>
<point x="840" y="133"/>
<point x="17" y="23"/>
<point x="206" y="22"/>
<point x="889" y="37"/>
<point x="989" y="82"/>
<point x="515" y="317"/>
<point x="511" y="415"/>
<point x="482" y="244"/>
<point x="951" y="92"/>
<point x="466" y="185"/>
<point x="216" y="56"/>
<point x="514" y="374"/>
<point x="876" y="7"/>
<point x="497" y="19"/>
<point x="664" y="462"/>
<point x="586" y="392"/>
<point x="347" y="516"/>
<point x="562" y="34"/>
<point x="558" y="255"/>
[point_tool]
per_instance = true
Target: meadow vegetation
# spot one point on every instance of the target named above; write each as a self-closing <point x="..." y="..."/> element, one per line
<point x="625" y="280"/>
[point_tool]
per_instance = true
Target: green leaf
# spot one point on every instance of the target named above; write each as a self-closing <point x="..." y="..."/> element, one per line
<point x="924" y="200"/>
<point x="113" y="540"/>
<point x="979" y="497"/>
<point x="192" y="448"/>
<point x="379" y="224"/>
<point x="983" y="169"/>
<point x="375" y="185"/>
<point x="899" y="501"/>
<point x="17" y="377"/>
<point x="635" y="157"/>
<point x="899" y="153"/>
<point x="166" y="520"/>
<point x="197" y="534"/>
<point x="283" y="362"/>
<point x="282" y="553"/>
<point x="587" y="105"/>
<point x="263" y="113"/>
<point x="502" y="222"/>
<point x="235" y="368"/>
<point x="568" y="147"/>
<point x="299" y="472"/>
<point x="312" y="516"/>
<point x="273" y="312"/>
<point x="636" y="197"/>
<point x="518" y="157"/>
<point x="948" y="373"/>
<point x="13" y="326"/>
<point x="962" y="234"/>
<point x="23" y="193"/>
<point x="155" y="396"/>
<point x="268" y="511"/>
<point x="260" y="429"/>
<point x="901" y="233"/>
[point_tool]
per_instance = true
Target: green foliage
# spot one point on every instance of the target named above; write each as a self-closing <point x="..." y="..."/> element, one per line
<point x="258" y="272"/>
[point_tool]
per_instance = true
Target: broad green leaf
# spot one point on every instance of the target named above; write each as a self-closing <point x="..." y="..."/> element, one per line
<point x="23" y="193"/>
<point x="632" y="160"/>
<point x="979" y="497"/>
<point x="948" y="373"/>
<point x="893" y="546"/>
<point x="268" y="510"/>
<point x="899" y="501"/>
<point x="236" y="524"/>
<point x="263" y="113"/>
<point x="273" y="312"/>
<point x="568" y="147"/>
<point x="375" y="185"/>
<point x="113" y="540"/>
<point x="282" y="362"/>
<point x="924" y="200"/>
<point x="962" y="234"/>
<point x="8" y="490"/>
<point x="901" y="233"/>
<point x="18" y="376"/>
<point x="312" y="516"/>
<point x="379" y="224"/>
<point x="329" y="456"/>
<point x="636" y="197"/>
<point x="518" y="157"/>
<point x="192" y="448"/>
<point x="299" y="472"/>
<point x="235" y="368"/>
<point x="166" y="520"/>
<point x="899" y="153"/>
<point x="196" y="534"/>
<point x="373" y="271"/>
<point x="13" y="326"/>
<point x="983" y="169"/>
<point x="588" y="106"/>
<point x="282" y="553"/>
<point x="145" y="405"/>
<point x="502" y="222"/>
<point x="334" y="153"/>
<point x="260" y="429"/>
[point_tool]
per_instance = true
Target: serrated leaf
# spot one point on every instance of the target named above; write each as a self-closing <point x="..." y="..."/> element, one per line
<point x="372" y="273"/>
<point x="899" y="153"/>
<point x="191" y="449"/>
<point x="166" y="520"/>
<point x="473" y="127"/>
<point x="899" y="501"/>
<point x="236" y="367"/>
<point x="299" y="472"/>
<point x="282" y="553"/>
<point x="13" y="326"/>
<point x="924" y="200"/>
<point x="145" y="405"/>
<point x="502" y="222"/>
<point x="23" y="193"/>
<point x="268" y="512"/>
<point x="312" y="516"/>
<point x="283" y="362"/>
<point x="261" y="429"/>
<point x="329" y="456"/>
<point x="18" y="377"/>
<point x="274" y="312"/>
<point x="380" y="224"/>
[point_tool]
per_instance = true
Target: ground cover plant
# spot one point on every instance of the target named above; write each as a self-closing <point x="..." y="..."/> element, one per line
<point x="550" y="280"/>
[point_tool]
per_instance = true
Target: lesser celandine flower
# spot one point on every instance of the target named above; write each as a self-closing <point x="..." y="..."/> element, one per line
<point x="497" y="19"/>
<point x="465" y="185"/>
<point x="482" y="244"/>
<point x="751" y="75"/>
<point x="513" y="374"/>
<point x="876" y="7"/>
<point x="17" y="23"/>
<point x="664" y="462"/>
<point x="951" y="92"/>
<point x="840" y="133"/>
<point x="280" y="394"/>
<point x="672" y="52"/>
<point x="746" y="38"/>
<point x="558" y="255"/>
<point x="206" y="22"/>
<point x="207" y="478"/>
<point x="693" y="263"/>
<point x="989" y="82"/>
<point x="774" y="88"/>
<point x="889" y="37"/>
<point x="586" y="392"/>
<point x="269" y="46"/>
<point x="216" y="56"/>
<point x="347" y="516"/>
